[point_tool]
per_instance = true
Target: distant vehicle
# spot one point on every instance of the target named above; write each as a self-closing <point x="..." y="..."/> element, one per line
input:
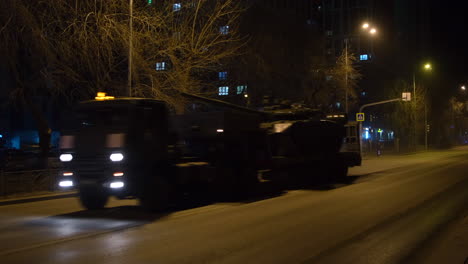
<point x="133" y="148"/>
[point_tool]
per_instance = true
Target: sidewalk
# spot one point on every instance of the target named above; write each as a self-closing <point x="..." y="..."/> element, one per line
<point x="372" y="163"/>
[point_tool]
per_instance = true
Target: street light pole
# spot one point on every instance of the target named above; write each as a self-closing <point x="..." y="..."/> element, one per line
<point x="415" y="112"/>
<point x="130" y="50"/>
<point x="346" y="75"/>
<point x="425" y="126"/>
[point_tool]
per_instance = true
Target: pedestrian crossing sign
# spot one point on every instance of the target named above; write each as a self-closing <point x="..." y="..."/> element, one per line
<point x="360" y="117"/>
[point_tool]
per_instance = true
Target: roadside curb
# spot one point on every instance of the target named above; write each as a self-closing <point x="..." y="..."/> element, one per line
<point x="28" y="199"/>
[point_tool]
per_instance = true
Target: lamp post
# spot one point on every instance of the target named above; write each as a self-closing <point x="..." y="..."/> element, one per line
<point x="346" y="76"/>
<point x="372" y="31"/>
<point x="130" y="50"/>
<point x="427" y="67"/>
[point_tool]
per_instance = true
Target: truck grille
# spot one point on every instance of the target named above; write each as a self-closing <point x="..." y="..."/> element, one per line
<point x="91" y="167"/>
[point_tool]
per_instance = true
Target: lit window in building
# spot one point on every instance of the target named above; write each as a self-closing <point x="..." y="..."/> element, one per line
<point x="223" y="90"/>
<point x="222" y="75"/>
<point x="224" y="30"/>
<point x="241" y="89"/>
<point x="338" y="104"/>
<point x="363" y="57"/>
<point x="176" y="7"/>
<point x="160" y="66"/>
<point x="191" y="4"/>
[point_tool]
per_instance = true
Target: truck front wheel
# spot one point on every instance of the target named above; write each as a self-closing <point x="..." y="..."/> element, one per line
<point x="93" y="197"/>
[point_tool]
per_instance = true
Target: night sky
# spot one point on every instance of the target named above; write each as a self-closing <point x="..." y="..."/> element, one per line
<point x="449" y="47"/>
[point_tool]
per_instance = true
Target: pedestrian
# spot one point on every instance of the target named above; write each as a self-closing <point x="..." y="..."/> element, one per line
<point x="379" y="148"/>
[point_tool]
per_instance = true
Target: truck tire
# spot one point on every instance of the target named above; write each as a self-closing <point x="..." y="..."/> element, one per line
<point x="93" y="197"/>
<point x="155" y="194"/>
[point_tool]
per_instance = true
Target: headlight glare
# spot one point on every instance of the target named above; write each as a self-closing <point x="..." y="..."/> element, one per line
<point x="66" y="157"/>
<point x="66" y="184"/>
<point x="116" y="157"/>
<point x="117" y="185"/>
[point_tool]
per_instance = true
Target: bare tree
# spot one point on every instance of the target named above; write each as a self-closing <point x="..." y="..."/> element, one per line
<point x="72" y="49"/>
<point x="407" y="118"/>
<point x="346" y="77"/>
<point x="195" y="42"/>
<point x="327" y="84"/>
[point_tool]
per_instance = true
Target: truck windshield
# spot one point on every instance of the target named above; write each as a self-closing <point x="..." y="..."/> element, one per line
<point x="111" y="117"/>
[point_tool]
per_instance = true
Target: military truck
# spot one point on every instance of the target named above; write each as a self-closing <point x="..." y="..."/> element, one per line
<point x="134" y="148"/>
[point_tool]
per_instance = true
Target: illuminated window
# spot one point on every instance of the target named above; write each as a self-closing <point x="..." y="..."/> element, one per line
<point x="223" y="90"/>
<point x="176" y="7"/>
<point x="241" y="89"/>
<point x="224" y="30"/>
<point x="222" y="75"/>
<point x="363" y="57"/>
<point x="160" y="66"/>
<point x="191" y="4"/>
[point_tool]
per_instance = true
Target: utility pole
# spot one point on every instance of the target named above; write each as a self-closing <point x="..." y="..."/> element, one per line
<point x="415" y="113"/>
<point x="346" y="75"/>
<point x="425" y="126"/>
<point x="130" y="50"/>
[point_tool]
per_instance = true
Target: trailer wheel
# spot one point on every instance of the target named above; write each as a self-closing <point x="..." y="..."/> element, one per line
<point x="93" y="197"/>
<point x="155" y="194"/>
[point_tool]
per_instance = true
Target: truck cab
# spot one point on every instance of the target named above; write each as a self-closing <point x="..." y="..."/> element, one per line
<point x="111" y="146"/>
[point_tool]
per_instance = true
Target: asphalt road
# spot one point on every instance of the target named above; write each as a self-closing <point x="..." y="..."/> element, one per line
<point x="394" y="211"/>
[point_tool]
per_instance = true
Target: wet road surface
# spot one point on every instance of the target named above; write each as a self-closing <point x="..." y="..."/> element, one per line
<point x="392" y="207"/>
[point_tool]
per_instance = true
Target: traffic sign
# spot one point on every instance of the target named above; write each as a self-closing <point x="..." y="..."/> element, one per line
<point x="360" y="117"/>
<point x="406" y="97"/>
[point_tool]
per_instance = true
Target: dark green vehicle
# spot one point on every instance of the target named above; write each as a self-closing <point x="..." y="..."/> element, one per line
<point x="133" y="148"/>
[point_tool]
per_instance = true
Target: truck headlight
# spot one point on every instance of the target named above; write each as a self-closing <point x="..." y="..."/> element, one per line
<point x="116" y="185"/>
<point x="116" y="157"/>
<point x="66" y="184"/>
<point x="66" y="157"/>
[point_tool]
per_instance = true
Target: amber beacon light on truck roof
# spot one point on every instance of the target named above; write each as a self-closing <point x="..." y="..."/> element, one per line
<point x="103" y="96"/>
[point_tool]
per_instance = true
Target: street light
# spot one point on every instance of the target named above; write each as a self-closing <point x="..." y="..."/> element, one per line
<point x="373" y="31"/>
<point x="365" y="25"/>
<point x="427" y="67"/>
<point x="463" y="88"/>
